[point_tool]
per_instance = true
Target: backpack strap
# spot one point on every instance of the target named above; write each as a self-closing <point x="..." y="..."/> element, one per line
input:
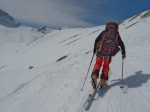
<point x="104" y="35"/>
<point x="117" y="36"/>
<point x="100" y="42"/>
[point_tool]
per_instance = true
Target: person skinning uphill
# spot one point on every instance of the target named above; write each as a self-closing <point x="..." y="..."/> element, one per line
<point x="106" y="45"/>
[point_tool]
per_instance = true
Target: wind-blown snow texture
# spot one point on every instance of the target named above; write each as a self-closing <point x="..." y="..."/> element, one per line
<point x="46" y="75"/>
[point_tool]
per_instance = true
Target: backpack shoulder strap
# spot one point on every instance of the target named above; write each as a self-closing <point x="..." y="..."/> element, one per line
<point x="117" y="36"/>
<point x="104" y="35"/>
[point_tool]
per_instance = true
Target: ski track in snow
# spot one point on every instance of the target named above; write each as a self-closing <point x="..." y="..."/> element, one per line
<point x="60" y="60"/>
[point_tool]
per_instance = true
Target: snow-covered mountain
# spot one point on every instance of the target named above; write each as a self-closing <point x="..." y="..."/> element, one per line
<point x="12" y="40"/>
<point x="47" y="74"/>
<point x="7" y="20"/>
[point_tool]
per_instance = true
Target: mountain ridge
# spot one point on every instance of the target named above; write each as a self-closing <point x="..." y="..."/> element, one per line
<point x="7" y="20"/>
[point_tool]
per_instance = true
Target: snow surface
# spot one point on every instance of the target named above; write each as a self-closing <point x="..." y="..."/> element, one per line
<point x="46" y="75"/>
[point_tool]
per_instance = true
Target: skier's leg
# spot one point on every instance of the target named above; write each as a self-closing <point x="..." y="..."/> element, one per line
<point x="97" y="66"/>
<point x="104" y="75"/>
<point x="95" y="73"/>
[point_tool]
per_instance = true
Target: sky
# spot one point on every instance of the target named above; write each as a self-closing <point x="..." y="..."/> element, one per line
<point x="72" y="13"/>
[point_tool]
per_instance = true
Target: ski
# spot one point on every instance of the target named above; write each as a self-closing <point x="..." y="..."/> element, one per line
<point x="95" y="90"/>
<point x="91" y="97"/>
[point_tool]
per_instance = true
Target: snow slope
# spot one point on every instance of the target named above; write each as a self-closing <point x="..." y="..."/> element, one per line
<point x="47" y="75"/>
<point x="12" y="40"/>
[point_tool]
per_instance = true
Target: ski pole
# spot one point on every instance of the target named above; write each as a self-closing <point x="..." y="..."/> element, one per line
<point x="87" y="72"/>
<point x="122" y="74"/>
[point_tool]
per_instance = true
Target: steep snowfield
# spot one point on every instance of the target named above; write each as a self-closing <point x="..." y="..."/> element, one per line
<point x="47" y="75"/>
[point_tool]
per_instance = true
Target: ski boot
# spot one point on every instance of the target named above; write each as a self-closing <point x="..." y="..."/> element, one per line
<point x="94" y="81"/>
<point x="103" y="83"/>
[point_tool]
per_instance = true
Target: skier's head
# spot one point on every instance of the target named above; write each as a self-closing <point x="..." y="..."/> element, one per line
<point x="112" y="25"/>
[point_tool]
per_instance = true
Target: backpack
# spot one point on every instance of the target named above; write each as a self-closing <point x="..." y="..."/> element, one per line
<point x="107" y="46"/>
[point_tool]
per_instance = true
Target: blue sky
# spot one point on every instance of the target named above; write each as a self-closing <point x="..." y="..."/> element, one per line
<point x="72" y="13"/>
<point x="122" y="9"/>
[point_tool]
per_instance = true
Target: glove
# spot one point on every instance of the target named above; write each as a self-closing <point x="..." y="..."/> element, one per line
<point x="123" y="56"/>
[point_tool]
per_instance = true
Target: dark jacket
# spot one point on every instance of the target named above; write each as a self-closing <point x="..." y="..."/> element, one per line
<point x="119" y="42"/>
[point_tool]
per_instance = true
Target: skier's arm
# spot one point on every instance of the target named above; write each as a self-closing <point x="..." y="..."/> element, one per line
<point x="121" y="44"/>
<point x="96" y="41"/>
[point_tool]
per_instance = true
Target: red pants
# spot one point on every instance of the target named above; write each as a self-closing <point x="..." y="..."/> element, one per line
<point x="105" y="70"/>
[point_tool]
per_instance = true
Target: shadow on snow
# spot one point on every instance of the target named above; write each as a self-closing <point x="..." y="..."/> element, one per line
<point x="133" y="81"/>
